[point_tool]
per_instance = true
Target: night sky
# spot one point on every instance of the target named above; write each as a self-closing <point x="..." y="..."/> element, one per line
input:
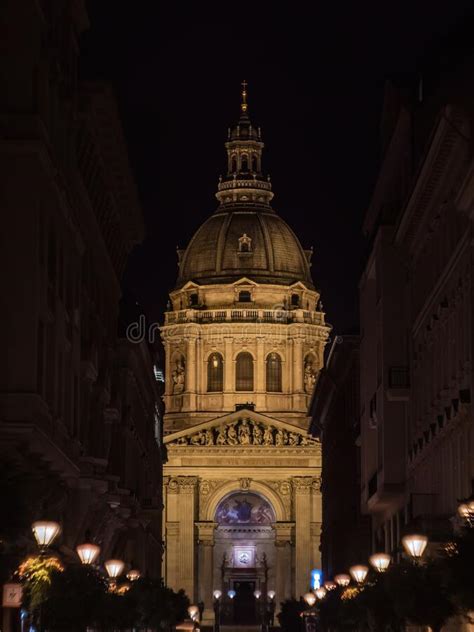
<point x="316" y="80"/>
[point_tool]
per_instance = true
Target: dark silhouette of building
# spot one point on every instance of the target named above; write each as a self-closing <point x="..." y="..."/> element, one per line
<point x="416" y="306"/>
<point x="80" y="408"/>
<point x="334" y="412"/>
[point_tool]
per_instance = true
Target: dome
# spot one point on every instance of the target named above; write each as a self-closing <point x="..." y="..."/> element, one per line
<point x="245" y="242"/>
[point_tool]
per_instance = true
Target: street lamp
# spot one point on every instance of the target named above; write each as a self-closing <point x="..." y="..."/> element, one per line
<point x="217" y="594"/>
<point x="45" y="531"/>
<point x="342" y="580"/>
<point x="257" y="594"/>
<point x="271" y="594"/>
<point x="359" y="573"/>
<point x="310" y="599"/>
<point x="133" y="574"/>
<point x="320" y="592"/>
<point x="88" y="552"/>
<point x="415" y="545"/>
<point x="114" y="568"/>
<point x="231" y="594"/>
<point x="466" y="510"/>
<point x="380" y="561"/>
<point x="330" y="585"/>
<point x="193" y="612"/>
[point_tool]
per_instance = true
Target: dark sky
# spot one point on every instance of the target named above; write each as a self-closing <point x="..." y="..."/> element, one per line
<point x="316" y="80"/>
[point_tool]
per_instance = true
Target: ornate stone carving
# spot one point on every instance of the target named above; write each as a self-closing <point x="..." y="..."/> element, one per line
<point x="245" y="483"/>
<point x="246" y="432"/>
<point x="182" y="484"/>
<point x="310" y="375"/>
<point x="302" y="484"/>
<point x="179" y="376"/>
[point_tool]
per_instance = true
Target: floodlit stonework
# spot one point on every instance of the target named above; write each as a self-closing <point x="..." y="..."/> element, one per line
<point x="244" y="337"/>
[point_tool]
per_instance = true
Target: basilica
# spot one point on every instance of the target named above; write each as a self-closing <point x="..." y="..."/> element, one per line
<point x="244" y="337"/>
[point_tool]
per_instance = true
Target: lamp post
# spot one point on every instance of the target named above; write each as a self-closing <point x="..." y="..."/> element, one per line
<point x="359" y="573"/>
<point x="271" y="607"/>
<point x="320" y="592"/>
<point x="45" y="531"/>
<point x="380" y="561"/>
<point x="309" y="615"/>
<point x="193" y="612"/>
<point x="217" y="594"/>
<point x="88" y="553"/>
<point x="342" y="580"/>
<point x="466" y="510"/>
<point x="114" y="569"/>
<point x="415" y="545"/>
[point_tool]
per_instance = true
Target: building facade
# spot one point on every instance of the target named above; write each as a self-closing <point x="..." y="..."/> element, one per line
<point x="417" y="317"/>
<point x="244" y="339"/>
<point x="334" y="411"/>
<point x="78" y="403"/>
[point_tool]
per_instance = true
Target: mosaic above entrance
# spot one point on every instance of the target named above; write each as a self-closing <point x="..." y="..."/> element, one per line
<point x="244" y="509"/>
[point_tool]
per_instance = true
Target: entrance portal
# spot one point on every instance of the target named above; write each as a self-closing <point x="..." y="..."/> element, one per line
<point x="244" y="555"/>
<point x="244" y="603"/>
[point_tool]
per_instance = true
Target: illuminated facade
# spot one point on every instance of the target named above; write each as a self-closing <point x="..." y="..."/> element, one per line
<point x="244" y="338"/>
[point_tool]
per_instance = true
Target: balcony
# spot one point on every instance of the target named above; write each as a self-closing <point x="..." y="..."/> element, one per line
<point x="207" y="316"/>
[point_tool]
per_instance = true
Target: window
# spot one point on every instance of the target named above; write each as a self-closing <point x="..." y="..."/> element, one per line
<point x="215" y="373"/>
<point x="244" y="372"/>
<point x="274" y="373"/>
<point x="254" y="163"/>
<point x="193" y="300"/>
<point x="244" y="163"/>
<point x="233" y="166"/>
<point x="295" y="300"/>
<point x="245" y="296"/>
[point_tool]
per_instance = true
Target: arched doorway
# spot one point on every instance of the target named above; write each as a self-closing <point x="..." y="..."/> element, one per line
<point x="244" y="555"/>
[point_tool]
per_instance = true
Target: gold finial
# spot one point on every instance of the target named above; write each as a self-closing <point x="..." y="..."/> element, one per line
<point x="243" y="105"/>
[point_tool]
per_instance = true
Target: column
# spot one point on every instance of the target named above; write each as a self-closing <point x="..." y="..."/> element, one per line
<point x="191" y="364"/>
<point x="205" y="568"/>
<point x="298" y="386"/>
<point x="168" y="370"/>
<point x="283" y="539"/>
<point x="186" y="554"/>
<point x="260" y="366"/>
<point x="302" y="504"/>
<point x="228" y="366"/>
<point x="171" y="532"/>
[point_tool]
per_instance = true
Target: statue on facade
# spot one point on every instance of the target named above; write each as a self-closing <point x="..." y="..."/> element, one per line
<point x="281" y="437"/>
<point x="221" y="436"/>
<point x="268" y="436"/>
<point x="257" y="434"/>
<point x="199" y="438"/>
<point x="209" y="436"/>
<point x="232" y="438"/>
<point x="244" y="432"/>
<point x="178" y="376"/>
<point x="293" y="438"/>
<point x="310" y="375"/>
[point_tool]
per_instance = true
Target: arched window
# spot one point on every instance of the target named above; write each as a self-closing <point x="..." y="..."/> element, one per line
<point x="245" y="297"/>
<point x="215" y="373"/>
<point x="274" y="373"/>
<point x="254" y="163"/>
<point x="233" y="165"/>
<point x="244" y="163"/>
<point x="244" y="372"/>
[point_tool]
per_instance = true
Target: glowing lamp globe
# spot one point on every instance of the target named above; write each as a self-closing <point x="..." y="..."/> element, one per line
<point x="231" y="594"/>
<point x="329" y="585"/>
<point x="359" y="573"/>
<point x="45" y="531"/>
<point x="342" y="580"/>
<point x="320" y="592"/>
<point x="133" y="574"/>
<point x="380" y="561"/>
<point x="257" y="594"/>
<point x="193" y="612"/>
<point x="415" y="545"/>
<point x="114" y="568"/>
<point x="88" y="552"/>
<point x="217" y="594"/>
<point x="310" y="599"/>
<point x="271" y="594"/>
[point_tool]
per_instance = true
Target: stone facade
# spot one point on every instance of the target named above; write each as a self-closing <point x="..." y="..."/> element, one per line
<point x="244" y="338"/>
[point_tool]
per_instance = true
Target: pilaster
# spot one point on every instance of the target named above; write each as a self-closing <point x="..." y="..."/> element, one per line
<point x="302" y="504"/>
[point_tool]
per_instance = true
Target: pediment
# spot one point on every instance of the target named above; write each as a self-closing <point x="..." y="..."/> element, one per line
<point x="244" y="281"/>
<point x="244" y="428"/>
